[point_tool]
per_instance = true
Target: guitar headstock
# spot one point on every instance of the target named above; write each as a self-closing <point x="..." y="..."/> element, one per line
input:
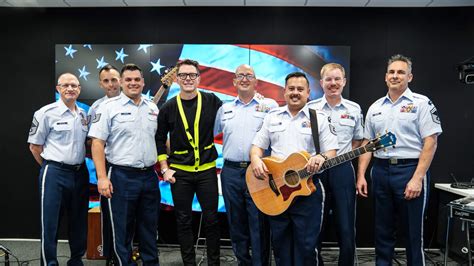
<point x="169" y="75"/>
<point x="380" y="142"/>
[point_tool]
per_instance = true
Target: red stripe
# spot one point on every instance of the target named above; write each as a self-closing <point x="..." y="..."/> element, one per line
<point x="296" y="55"/>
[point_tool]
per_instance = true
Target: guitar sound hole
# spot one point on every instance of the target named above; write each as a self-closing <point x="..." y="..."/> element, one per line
<point x="292" y="178"/>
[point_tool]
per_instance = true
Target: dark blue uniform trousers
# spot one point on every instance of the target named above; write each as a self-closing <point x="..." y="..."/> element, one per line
<point x="339" y="184"/>
<point x="389" y="182"/>
<point x="134" y="202"/>
<point x="295" y="233"/>
<point x="63" y="188"/>
<point x="105" y="228"/>
<point x="247" y="225"/>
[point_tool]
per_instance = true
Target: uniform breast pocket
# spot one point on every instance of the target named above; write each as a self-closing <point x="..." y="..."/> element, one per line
<point x="379" y="123"/>
<point x="123" y="123"/>
<point x="407" y="116"/>
<point x="258" y="120"/>
<point x="345" y="129"/>
<point x="227" y="117"/>
<point x="276" y="131"/>
<point x="307" y="134"/>
<point x="62" y="132"/>
<point x="152" y="123"/>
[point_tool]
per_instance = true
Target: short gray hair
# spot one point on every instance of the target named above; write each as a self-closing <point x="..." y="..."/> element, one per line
<point x="399" y="57"/>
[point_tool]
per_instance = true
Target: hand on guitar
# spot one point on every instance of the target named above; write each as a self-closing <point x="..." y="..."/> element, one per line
<point x="259" y="168"/>
<point x="315" y="163"/>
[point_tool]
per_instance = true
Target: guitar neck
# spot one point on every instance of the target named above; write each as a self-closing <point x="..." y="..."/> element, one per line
<point x="158" y="94"/>
<point x="336" y="160"/>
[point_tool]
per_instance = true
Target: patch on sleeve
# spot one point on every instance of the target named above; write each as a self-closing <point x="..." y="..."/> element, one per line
<point x="34" y="126"/>
<point x="96" y="118"/>
<point x="434" y="115"/>
<point x="332" y="129"/>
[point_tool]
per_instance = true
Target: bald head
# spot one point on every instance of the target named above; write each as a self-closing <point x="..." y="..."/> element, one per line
<point x="244" y="80"/>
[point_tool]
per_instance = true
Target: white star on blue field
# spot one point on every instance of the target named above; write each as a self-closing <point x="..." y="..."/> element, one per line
<point x="157" y="67"/>
<point x="144" y="47"/>
<point x="83" y="73"/>
<point x="88" y="46"/>
<point x="120" y="55"/>
<point x="101" y="63"/>
<point x="69" y="51"/>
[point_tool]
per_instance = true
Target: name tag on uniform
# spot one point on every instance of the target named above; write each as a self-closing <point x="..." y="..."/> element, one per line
<point x="376" y="114"/>
<point x="125" y="113"/>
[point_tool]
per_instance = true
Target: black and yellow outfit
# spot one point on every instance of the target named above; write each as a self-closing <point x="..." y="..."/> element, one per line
<point x="190" y="125"/>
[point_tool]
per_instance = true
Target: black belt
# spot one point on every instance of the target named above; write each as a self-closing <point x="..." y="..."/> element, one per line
<point x="136" y="169"/>
<point x="74" y="167"/>
<point x="397" y="161"/>
<point x="236" y="164"/>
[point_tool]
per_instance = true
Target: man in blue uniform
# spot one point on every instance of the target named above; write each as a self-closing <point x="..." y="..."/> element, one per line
<point x="400" y="176"/>
<point x="189" y="119"/>
<point x="239" y="120"/>
<point x="339" y="181"/>
<point x="109" y="81"/>
<point x="123" y="132"/>
<point x="286" y="130"/>
<point x="57" y="141"/>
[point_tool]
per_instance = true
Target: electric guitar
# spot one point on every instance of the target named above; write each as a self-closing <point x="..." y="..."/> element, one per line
<point x="288" y="178"/>
<point x="167" y="79"/>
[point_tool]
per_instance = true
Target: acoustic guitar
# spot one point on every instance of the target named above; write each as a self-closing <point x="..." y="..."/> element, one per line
<point x="288" y="178"/>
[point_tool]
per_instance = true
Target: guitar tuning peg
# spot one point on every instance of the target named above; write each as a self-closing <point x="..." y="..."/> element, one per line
<point x="385" y="149"/>
<point x="377" y="135"/>
<point x="393" y="146"/>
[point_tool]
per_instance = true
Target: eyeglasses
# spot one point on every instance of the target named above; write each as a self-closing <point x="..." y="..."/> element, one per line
<point x="183" y="76"/>
<point x="249" y="77"/>
<point x="65" y="86"/>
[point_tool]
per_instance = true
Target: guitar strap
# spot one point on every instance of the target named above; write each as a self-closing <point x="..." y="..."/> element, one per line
<point x="313" y="117"/>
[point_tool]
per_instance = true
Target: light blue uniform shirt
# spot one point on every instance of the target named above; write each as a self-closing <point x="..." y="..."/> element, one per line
<point x="411" y="118"/>
<point x="346" y="117"/>
<point x="239" y="122"/>
<point x="94" y="107"/>
<point x="61" y="132"/>
<point x="128" y="130"/>
<point x="286" y="134"/>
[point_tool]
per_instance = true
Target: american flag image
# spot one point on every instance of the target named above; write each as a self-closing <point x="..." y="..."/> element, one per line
<point x="218" y="63"/>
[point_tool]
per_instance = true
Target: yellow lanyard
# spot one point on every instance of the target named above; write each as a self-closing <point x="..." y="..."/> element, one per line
<point x="193" y="141"/>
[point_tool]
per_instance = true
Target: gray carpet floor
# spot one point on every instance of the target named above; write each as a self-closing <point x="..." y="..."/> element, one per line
<point x="27" y="252"/>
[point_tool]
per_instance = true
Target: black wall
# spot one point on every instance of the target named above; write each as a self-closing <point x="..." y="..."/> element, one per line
<point x="436" y="39"/>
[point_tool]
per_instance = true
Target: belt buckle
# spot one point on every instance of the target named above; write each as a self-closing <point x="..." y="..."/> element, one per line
<point x="77" y="167"/>
<point x="243" y="164"/>
<point x="393" y="161"/>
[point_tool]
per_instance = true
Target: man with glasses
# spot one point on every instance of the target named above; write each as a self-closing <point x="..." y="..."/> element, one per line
<point x="109" y="81"/>
<point x="191" y="165"/>
<point x="239" y="120"/>
<point x="122" y="132"/>
<point x="57" y="141"/>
